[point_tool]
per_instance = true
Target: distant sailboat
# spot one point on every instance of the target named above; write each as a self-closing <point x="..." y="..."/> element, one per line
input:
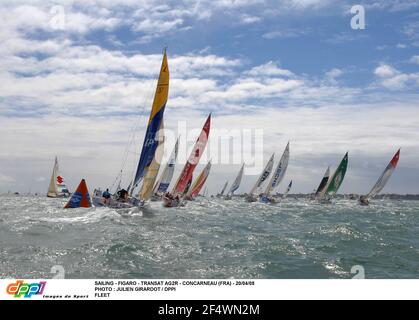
<point x="185" y="178"/>
<point x="236" y="184"/>
<point x="57" y="187"/>
<point x="277" y="177"/>
<point x="336" y="181"/>
<point x="252" y="196"/>
<point x="223" y="190"/>
<point x="382" y="181"/>
<point x="323" y="183"/>
<point x="288" y="190"/>
<point x="163" y="183"/>
<point x="199" y="183"/>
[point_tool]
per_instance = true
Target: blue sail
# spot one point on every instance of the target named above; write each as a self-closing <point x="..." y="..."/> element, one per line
<point x="150" y="145"/>
<point x="151" y="140"/>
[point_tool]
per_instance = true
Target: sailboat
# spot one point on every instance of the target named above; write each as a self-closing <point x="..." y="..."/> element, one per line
<point x="57" y="187"/>
<point x="223" y="190"/>
<point x="287" y="191"/>
<point x="335" y="182"/>
<point x="185" y="178"/>
<point x="198" y="183"/>
<point x="236" y="184"/>
<point x="252" y="196"/>
<point x="323" y="184"/>
<point x="163" y="183"/>
<point x="277" y="177"/>
<point x="80" y="198"/>
<point x="151" y="153"/>
<point x="382" y="181"/>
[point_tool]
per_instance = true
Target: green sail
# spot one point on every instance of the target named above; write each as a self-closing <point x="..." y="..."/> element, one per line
<point x="338" y="177"/>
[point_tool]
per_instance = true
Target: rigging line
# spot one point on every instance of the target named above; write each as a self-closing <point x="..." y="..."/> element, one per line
<point x="133" y="131"/>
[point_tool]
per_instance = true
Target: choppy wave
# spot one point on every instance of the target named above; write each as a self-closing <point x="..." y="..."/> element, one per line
<point x="209" y="238"/>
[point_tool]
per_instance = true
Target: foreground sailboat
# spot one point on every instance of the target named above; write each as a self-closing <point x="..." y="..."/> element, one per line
<point x="382" y="181"/>
<point x="151" y="152"/>
<point x="163" y="183"/>
<point x="198" y="183"/>
<point x="57" y="187"/>
<point x="276" y="179"/>
<point x="335" y="182"/>
<point x="236" y="184"/>
<point x="173" y="199"/>
<point x="254" y="192"/>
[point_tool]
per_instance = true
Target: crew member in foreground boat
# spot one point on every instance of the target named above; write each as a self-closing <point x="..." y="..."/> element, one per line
<point x="106" y="196"/>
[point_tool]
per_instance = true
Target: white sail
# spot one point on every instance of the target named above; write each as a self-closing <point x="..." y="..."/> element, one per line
<point x="382" y="181"/>
<point x="237" y="181"/>
<point x="52" y="189"/>
<point x="264" y="175"/>
<point x="280" y="171"/>
<point x="163" y="183"/>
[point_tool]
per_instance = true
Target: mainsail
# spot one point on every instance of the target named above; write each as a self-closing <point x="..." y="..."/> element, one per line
<point x="224" y="188"/>
<point x="199" y="181"/>
<point x="237" y="181"/>
<point x="280" y="171"/>
<point x="163" y="184"/>
<point x="197" y="151"/>
<point x="151" y="140"/>
<point x="56" y="186"/>
<point x="336" y="181"/>
<point x="288" y="190"/>
<point x="264" y="175"/>
<point x="382" y="181"/>
<point x="324" y="182"/>
<point x="149" y="179"/>
<point x="52" y="189"/>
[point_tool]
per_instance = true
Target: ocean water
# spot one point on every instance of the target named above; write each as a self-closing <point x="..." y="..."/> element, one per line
<point x="210" y="238"/>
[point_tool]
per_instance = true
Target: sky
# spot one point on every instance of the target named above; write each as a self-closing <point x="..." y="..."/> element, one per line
<point x="77" y="80"/>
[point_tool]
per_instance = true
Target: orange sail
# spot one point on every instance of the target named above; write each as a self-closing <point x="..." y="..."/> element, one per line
<point x="80" y="198"/>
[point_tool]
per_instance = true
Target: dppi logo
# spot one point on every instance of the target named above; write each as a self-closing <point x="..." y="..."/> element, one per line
<point x="27" y="290"/>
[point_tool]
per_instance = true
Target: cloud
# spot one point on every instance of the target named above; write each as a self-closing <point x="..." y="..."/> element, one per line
<point x="414" y="59"/>
<point x="285" y="33"/>
<point x="4" y="179"/>
<point x="385" y="71"/>
<point x="393" y="79"/>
